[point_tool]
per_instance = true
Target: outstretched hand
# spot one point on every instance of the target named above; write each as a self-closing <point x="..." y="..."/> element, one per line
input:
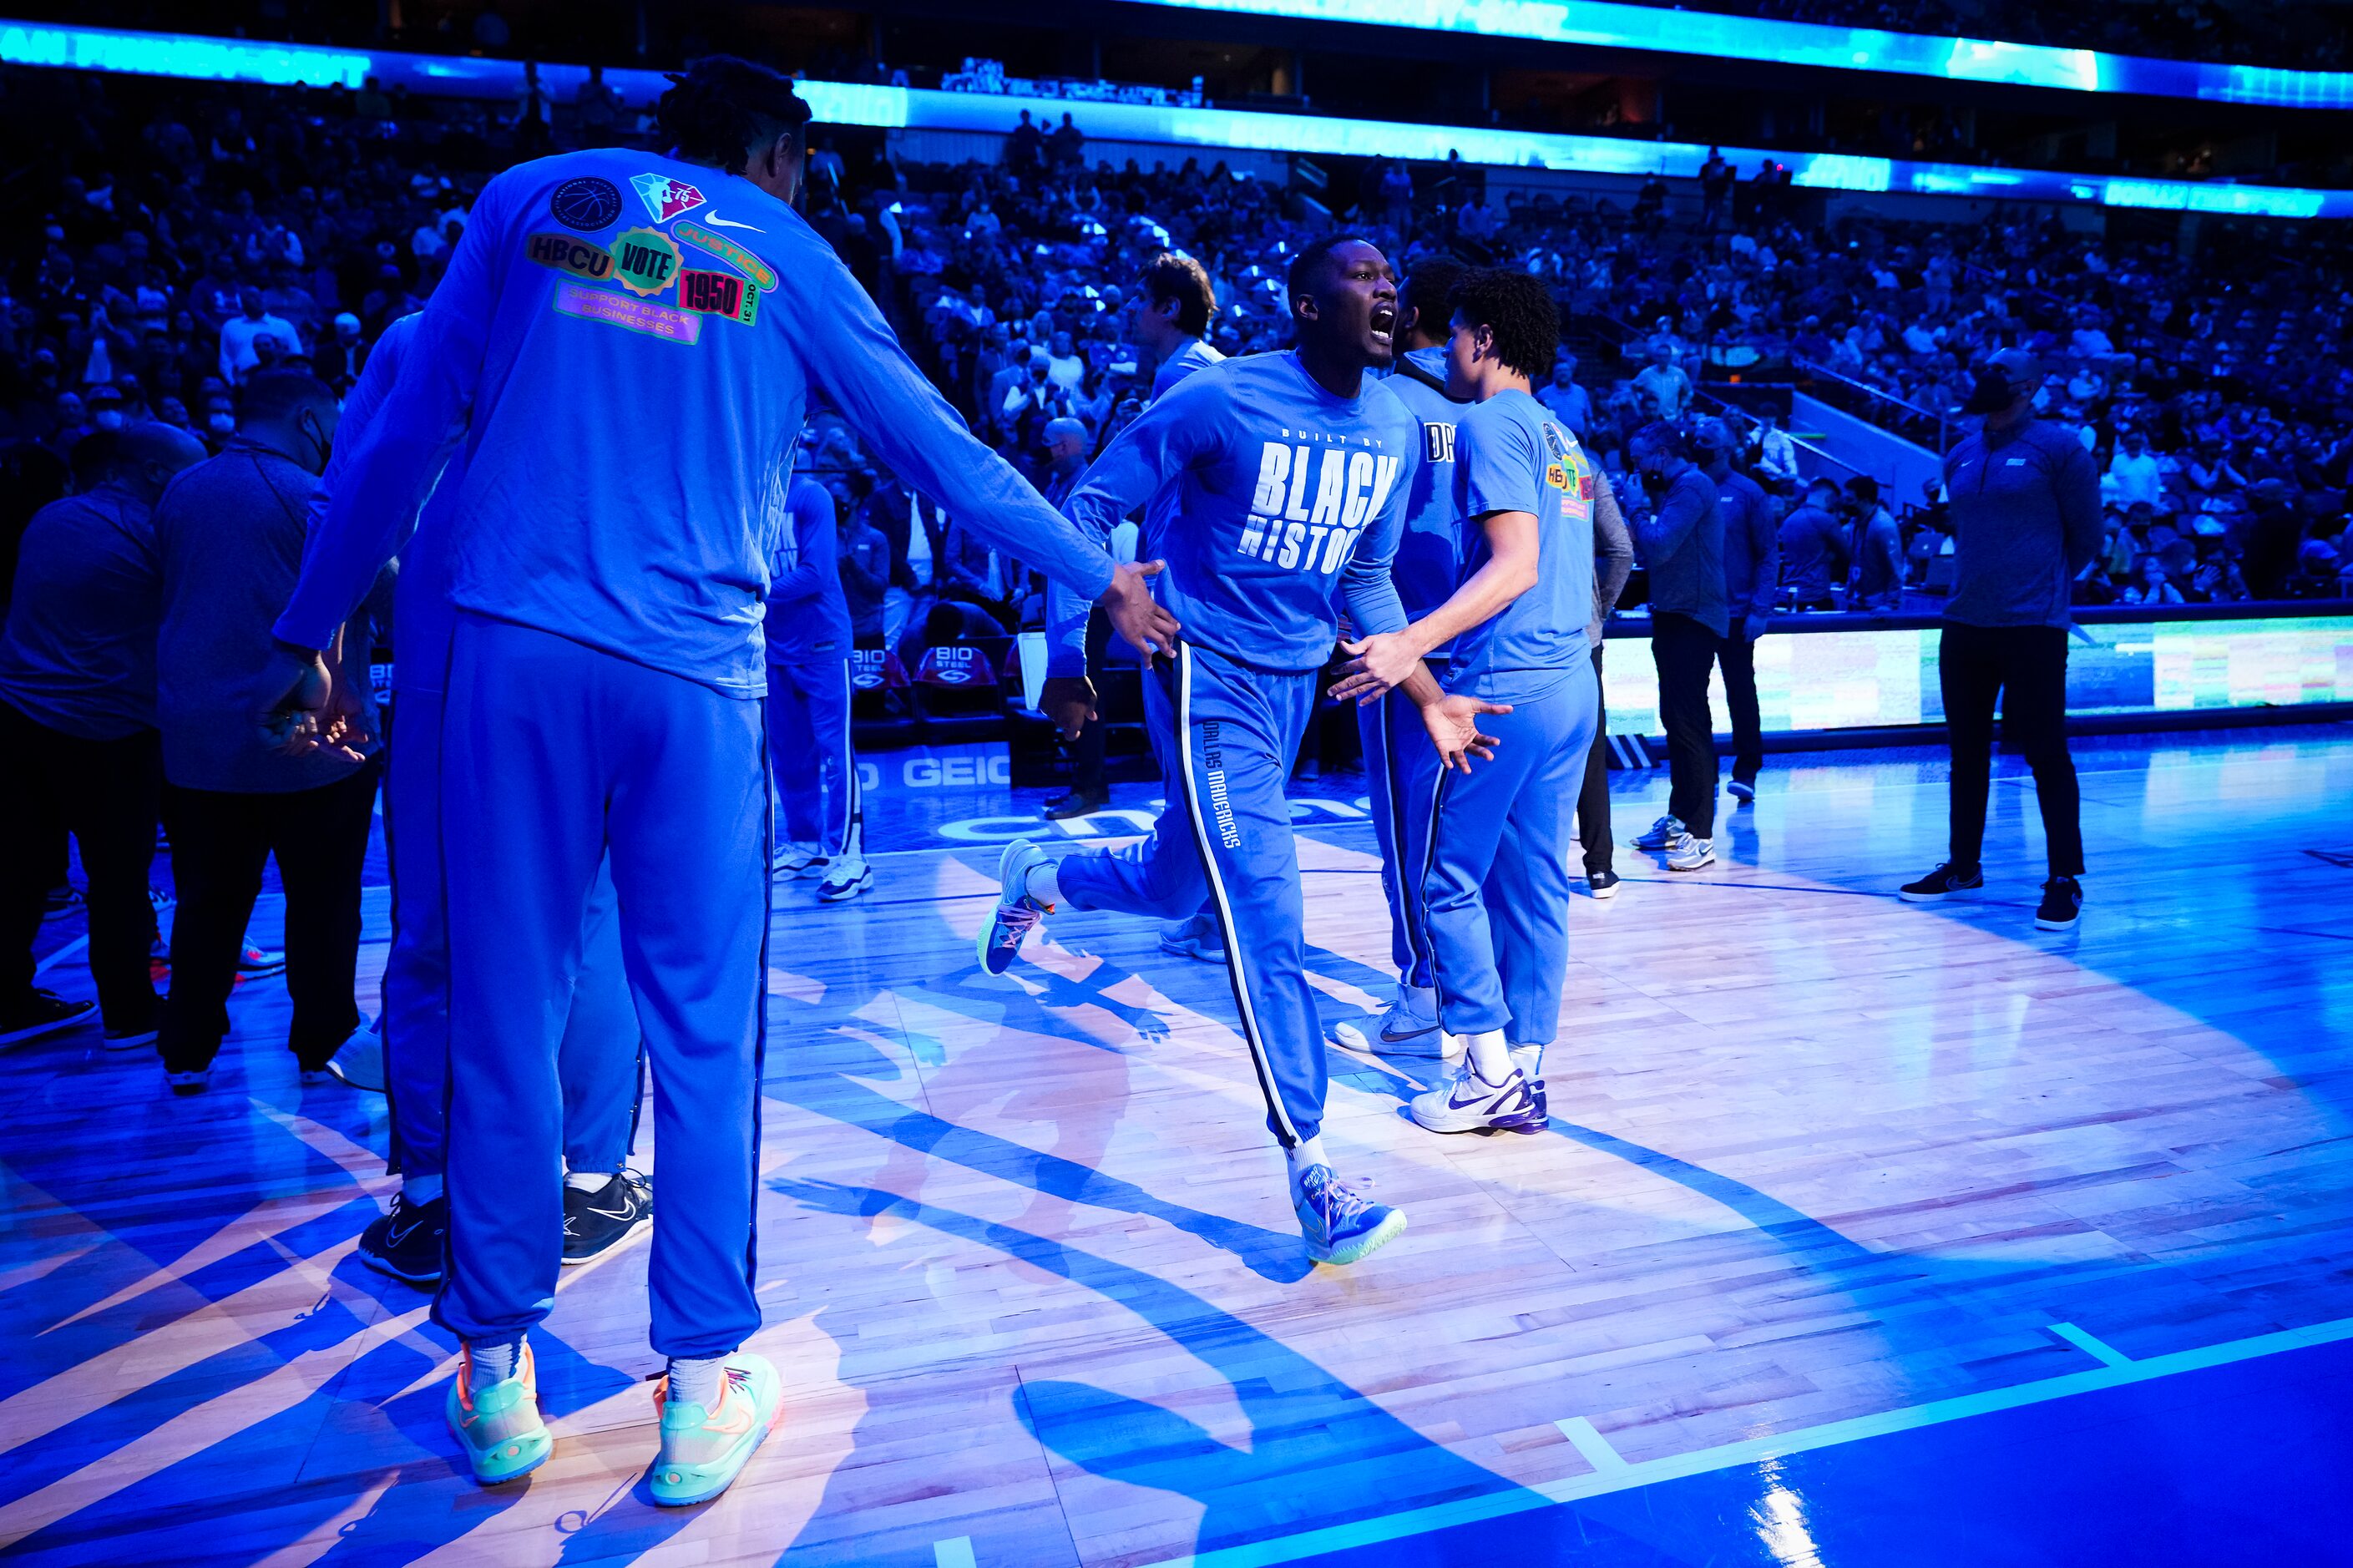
<point x="1383" y="662"/>
<point x="1134" y="614"/>
<point x="1453" y="726"/>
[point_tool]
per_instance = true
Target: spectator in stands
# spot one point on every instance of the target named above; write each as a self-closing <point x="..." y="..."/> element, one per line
<point x="1567" y="402"/>
<point x="243" y="337"/>
<point x="2137" y="476"/>
<point x="1814" y="547"/>
<point x="1664" y="389"/>
<point x="229" y="533"/>
<point x="78" y="746"/>
<point x="2026" y="517"/>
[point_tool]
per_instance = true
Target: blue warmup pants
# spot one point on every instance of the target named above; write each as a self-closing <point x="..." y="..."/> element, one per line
<point x="810" y="753"/>
<point x="1495" y="879"/>
<point x="1229" y="734"/>
<point x="553" y="756"/>
<point x="599" y="1062"/>
<point x="1400" y="770"/>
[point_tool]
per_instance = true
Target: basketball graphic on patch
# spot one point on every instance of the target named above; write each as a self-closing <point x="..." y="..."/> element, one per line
<point x="585" y="204"/>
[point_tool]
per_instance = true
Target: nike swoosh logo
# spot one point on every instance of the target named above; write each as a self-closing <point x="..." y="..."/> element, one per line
<point x="715" y="221"/>
<point x="1409" y="1033"/>
<point x="615" y="1214"/>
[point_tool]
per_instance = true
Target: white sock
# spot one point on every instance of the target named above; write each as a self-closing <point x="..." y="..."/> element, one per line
<point x="1450" y="1047"/>
<point x="494" y="1364"/>
<point x="1490" y="1058"/>
<point x="587" y="1181"/>
<point x="420" y="1189"/>
<point x="1529" y="1059"/>
<point x="1043" y="885"/>
<point x="1307" y="1151"/>
<point x="695" y="1379"/>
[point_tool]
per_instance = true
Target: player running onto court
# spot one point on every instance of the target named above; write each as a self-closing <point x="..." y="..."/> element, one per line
<point x="1290" y="474"/>
<point x="808" y="701"/>
<point x="1494" y="883"/>
<point x="629" y="381"/>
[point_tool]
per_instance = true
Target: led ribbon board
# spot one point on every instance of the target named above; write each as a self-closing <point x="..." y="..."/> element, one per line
<point x="1209" y="129"/>
<point x="1675" y="32"/>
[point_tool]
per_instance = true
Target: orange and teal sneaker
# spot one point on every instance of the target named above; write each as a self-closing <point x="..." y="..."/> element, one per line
<point x="703" y="1451"/>
<point x="498" y="1424"/>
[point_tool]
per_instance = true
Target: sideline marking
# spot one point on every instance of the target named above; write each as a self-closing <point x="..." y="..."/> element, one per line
<point x="1734" y="1456"/>
<point x="2096" y="1349"/>
<point x="953" y="1553"/>
<point x="1592" y="1444"/>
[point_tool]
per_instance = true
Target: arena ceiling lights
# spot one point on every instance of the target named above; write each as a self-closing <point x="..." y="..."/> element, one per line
<point x="1210" y="131"/>
<point x="1625" y="26"/>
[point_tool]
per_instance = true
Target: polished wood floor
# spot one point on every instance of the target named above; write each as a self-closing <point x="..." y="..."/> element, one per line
<point x="1034" y="1286"/>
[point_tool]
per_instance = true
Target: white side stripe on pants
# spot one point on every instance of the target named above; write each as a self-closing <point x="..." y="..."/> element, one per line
<point x="1235" y="968"/>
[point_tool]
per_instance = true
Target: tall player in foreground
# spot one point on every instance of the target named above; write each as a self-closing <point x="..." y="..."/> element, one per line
<point x="1275" y="482"/>
<point x="629" y="382"/>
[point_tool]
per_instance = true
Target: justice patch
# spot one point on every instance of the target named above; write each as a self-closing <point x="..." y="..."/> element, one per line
<point x="663" y="322"/>
<point x="645" y="260"/>
<point x="728" y="251"/>
<point x="585" y="204"/>
<point x="718" y="294"/>
<point x="665" y="198"/>
<point x="581" y="257"/>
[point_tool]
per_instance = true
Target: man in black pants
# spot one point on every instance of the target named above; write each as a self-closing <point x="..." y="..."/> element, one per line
<point x="1680" y="541"/>
<point x="230" y="533"/>
<point x="2026" y="519"/>
<point x="77" y="749"/>
<point x="1751" y="580"/>
<point x="1613" y="551"/>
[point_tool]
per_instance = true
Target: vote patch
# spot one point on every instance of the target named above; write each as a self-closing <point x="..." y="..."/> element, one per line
<point x="718" y="294"/>
<point x="645" y="260"/>
<point x="581" y="257"/>
<point x="585" y="204"/>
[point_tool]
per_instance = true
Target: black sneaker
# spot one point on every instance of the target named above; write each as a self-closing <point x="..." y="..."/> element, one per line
<point x="61" y="900"/>
<point x="1942" y="882"/>
<point x="1602" y="884"/>
<point x="44" y="1013"/>
<point x="596" y="1220"/>
<point x="1742" y="789"/>
<point x="2062" y="904"/>
<point x="1075" y="803"/>
<point x="407" y="1243"/>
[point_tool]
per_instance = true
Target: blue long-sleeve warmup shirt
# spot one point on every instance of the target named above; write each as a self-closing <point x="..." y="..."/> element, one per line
<point x="1511" y="455"/>
<point x="626" y="344"/>
<point x="1281" y="493"/>
<point x="1428" y="564"/>
<point x="808" y="613"/>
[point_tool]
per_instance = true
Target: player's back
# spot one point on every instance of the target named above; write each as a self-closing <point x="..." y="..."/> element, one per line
<point x="1510" y="455"/>
<point x="643" y="382"/>
<point x="1429" y="552"/>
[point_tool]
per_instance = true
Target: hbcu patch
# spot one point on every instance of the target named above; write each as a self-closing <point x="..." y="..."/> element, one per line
<point x="718" y="294"/>
<point x="585" y="204"/>
<point x="642" y="316"/>
<point x="665" y="198"/>
<point x="645" y="260"/>
<point x="581" y="257"/>
<point x="1557" y="477"/>
<point x="728" y="251"/>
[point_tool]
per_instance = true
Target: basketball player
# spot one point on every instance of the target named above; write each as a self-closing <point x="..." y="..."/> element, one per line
<point x="1495" y="885"/>
<point x="1280" y="477"/>
<point x="1400" y="768"/>
<point x="807" y="629"/>
<point x="627" y="344"/>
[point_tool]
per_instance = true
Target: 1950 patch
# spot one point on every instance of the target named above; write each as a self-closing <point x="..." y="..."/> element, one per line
<point x="718" y="294"/>
<point x="645" y="260"/>
<point x="585" y="204"/>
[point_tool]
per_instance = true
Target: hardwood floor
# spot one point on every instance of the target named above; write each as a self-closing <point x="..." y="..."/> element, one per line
<point x="1034" y="1285"/>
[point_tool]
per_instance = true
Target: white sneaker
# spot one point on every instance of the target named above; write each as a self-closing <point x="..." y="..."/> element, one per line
<point x="846" y="878"/>
<point x="1407" y="1027"/>
<point x="1662" y="833"/>
<point x="795" y="860"/>
<point x="1465" y="1102"/>
<point x="1689" y="854"/>
<point x="358" y="1061"/>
